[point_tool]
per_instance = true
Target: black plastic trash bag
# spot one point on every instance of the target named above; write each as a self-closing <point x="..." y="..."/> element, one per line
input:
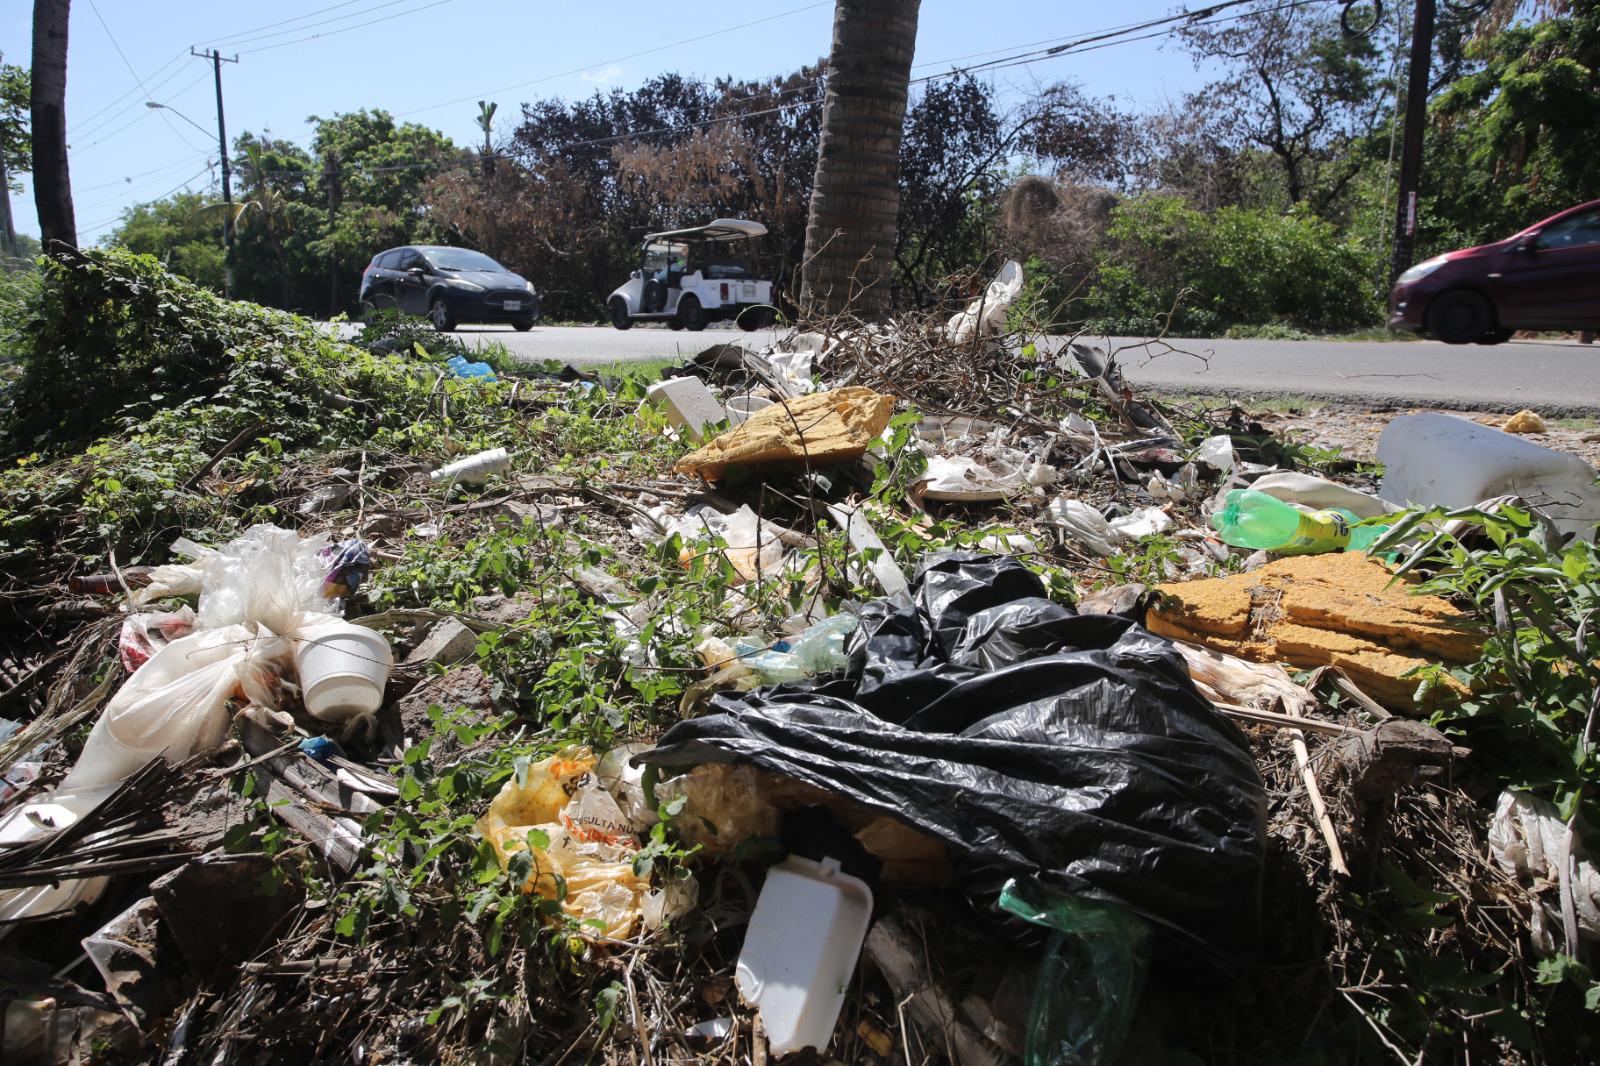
<point x="1033" y="741"/>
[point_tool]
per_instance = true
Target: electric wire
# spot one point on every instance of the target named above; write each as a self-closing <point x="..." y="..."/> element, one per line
<point x="97" y="227"/>
<point x="212" y="42"/>
<point x="1093" y="41"/>
<point x="344" y="29"/>
<point x="140" y="81"/>
<point x="620" y="59"/>
<point x="118" y="130"/>
<point x="130" y="178"/>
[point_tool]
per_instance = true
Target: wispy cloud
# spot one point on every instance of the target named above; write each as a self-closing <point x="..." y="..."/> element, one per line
<point x="608" y="73"/>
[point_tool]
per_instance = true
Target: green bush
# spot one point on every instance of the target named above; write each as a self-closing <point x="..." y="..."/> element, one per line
<point x="109" y="334"/>
<point x="1231" y="267"/>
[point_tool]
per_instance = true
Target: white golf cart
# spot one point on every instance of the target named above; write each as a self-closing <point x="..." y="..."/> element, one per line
<point x="689" y="277"/>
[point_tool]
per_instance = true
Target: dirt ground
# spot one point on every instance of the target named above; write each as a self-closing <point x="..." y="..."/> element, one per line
<point x="1355" y="430"/>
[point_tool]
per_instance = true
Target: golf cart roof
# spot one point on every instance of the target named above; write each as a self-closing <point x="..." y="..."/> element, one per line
<point x="723" y="229"/>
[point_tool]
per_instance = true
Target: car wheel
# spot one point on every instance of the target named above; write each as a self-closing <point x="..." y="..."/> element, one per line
<point x="439" y="311"/>
<point x="522" y="327"/>
<point x="1495" y="336"/>
<point x="1459" y="316"/>
<point x="754" y="318"/>
<point x="691" y="314"/>
<point x="619" y="313"/>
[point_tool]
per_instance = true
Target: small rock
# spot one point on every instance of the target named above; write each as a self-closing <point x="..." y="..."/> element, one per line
<point x="448" y="642"/>
<point x="325" y="498"/>
<point x="464" y="687"/>
<point x="503" y="610"/>
<point x="1524" y="422"/>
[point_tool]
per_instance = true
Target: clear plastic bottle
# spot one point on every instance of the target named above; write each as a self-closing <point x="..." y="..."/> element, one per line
<point x="1251" y="519"/>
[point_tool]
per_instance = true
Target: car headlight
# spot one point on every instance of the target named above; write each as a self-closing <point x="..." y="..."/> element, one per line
<point x="1420" y="271"/>
<point x="463" y="283"/>
<point x="531" y="290"/>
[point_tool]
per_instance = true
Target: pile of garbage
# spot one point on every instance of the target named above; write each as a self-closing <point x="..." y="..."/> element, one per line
<point x="1023" y="713"/>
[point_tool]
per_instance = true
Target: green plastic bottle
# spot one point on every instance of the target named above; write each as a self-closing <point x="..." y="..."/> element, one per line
<point x="1251" y="519"/>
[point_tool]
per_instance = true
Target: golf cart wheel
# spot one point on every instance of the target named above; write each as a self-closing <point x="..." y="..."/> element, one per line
<point x="439" y="311"/>
<point x="619" y="313"/>
<point x="1495" y="336"/>
<point x="691" y="314"/>
<point x="1459" y="316"/>
<point x="754" y="318"/>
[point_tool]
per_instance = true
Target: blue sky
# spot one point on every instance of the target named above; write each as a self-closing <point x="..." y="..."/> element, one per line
<point x="429" y="61"/>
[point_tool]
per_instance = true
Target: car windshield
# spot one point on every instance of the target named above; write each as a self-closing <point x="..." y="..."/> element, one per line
<point x="657" y="254"/>
<point x="461" y="259"/>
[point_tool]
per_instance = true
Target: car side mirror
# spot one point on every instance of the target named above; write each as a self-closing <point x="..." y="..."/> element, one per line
<point x="415" y="272"/>
<point x="636" y="274"/>
<point x="1528" y="244"/>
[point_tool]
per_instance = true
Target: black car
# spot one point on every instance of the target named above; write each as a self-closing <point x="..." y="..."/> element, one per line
<point x="449" y="285"/>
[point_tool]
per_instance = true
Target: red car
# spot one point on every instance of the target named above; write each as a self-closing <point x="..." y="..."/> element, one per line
<point x="1546" y="277"/>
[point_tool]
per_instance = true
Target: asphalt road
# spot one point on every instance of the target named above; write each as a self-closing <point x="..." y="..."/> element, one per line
<point x="1554" y="378"/>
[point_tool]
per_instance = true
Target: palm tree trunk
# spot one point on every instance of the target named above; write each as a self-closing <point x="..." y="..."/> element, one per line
<point x="850" y="234"/>
<point x="52" y="185"/>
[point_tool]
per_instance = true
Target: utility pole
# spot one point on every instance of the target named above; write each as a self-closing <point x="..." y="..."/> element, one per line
<point x="227" y="187"/>
<point x="1405" y="226"/>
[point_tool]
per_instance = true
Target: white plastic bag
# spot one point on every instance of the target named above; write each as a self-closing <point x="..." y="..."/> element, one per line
<point x="175" y="704"/>
<point x="987" y="314"/>
<point x="1082" y="523"/>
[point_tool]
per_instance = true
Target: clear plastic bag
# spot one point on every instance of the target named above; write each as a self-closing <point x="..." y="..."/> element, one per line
<point x="1090" y="979"/>
<point x="146" y="633"/>
<point x="271" y="576"/>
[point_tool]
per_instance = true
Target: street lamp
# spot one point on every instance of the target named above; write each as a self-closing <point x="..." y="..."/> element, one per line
<point x="227" y="193"/>
<point x="167" y="107"/>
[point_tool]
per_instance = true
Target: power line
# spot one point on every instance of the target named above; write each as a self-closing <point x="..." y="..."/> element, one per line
<point x="91" y="117"/>
<point x="143" y="174"/>
<point x="345" y="29"/>
<point x="1089" y="42"/>
<point x="140" y="81"/>
<point x="103" y="139"/>
<point x="281" y="22"/>
<point x="620" y="59"/>
<point x="92" y="129"/>
<point x="97" y="227"/>
<point x="1124" y="34"/>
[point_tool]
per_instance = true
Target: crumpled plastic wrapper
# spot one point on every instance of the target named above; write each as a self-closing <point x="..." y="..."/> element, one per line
<point x="1526" y="838"/>
<point x="590" y="846"/>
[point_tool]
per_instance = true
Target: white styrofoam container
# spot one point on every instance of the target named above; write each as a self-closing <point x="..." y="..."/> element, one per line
<point x="1447" y="461"/>
<point x="687" y="403"/>
<point x="804" y="939"/>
